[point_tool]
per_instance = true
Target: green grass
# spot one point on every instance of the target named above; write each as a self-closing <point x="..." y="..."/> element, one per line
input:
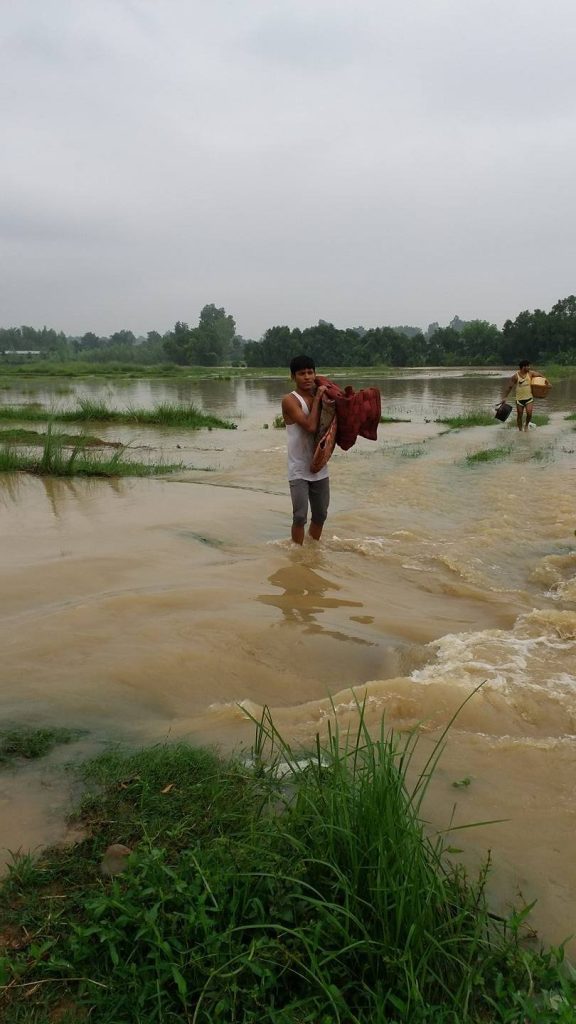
<point x="54" y="461"/>
<point x="278" y="422"/>
<point x="166" y="414"/>
<point x="26" y="743"/>
<point x="572" y="416"/>
<point x="316" y="898"/>
<point x="393" y="419"/>
<point x="488" y="455"/>
<point x="541" y="419"/>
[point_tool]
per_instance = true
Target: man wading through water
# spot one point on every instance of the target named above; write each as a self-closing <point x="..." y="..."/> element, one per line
<point x="301" y="412"/>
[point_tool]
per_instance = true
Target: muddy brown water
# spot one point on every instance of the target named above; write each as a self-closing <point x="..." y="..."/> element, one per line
<point x="146" y="609"/>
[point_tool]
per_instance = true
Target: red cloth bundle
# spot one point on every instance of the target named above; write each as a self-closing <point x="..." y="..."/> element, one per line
<point x="357" y="412"/>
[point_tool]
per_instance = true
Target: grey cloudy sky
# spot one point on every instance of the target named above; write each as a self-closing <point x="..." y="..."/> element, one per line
<point x="368" y="162"/>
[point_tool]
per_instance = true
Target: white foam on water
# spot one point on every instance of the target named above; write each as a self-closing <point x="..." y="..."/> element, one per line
<point x="533" y="656"/>
<point x="374" y="546"/>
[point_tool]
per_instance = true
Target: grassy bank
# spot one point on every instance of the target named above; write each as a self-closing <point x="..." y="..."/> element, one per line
<point x="296" y="891"/>
<point x="166" y="414"/>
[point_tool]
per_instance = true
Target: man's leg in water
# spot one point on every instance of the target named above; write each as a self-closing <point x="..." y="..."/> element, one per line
<point x="519" y="415"/>
<point x="528" y="409"/>
<point x="299" y="495"/>
<point x="319" y="501"/>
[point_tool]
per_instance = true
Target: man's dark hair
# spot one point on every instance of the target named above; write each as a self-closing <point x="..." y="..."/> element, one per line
<point x="301" y="363"/>
<point x="522" y="365"/>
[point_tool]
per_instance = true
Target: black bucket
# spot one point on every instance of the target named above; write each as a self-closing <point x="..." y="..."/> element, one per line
<point x="503" y="411"/>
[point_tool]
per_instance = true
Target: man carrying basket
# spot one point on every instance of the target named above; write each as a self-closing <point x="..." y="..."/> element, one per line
<point x="526" y="390"/>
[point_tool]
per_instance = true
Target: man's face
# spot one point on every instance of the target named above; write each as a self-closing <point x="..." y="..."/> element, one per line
<point x="305" y="379"/>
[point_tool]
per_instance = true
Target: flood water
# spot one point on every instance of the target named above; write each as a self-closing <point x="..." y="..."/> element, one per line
<point x="145" y="609"/>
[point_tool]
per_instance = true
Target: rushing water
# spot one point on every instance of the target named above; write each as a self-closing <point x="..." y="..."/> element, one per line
<point x="146" y="608"/>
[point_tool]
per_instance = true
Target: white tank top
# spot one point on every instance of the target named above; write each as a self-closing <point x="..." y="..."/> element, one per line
<point x="301" y="449"/>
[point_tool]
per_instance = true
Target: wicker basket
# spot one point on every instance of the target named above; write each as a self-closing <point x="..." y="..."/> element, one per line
<point x="540" y="387"/>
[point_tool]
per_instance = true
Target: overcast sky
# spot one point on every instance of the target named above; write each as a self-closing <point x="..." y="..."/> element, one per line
<point x="368" y="162"/>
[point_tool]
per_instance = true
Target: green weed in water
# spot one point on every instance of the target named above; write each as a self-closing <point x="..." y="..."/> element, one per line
<point x="469" y="419"/>
<point x="53" y="461"/>
<point x="35" y="437"/>
<point x="166" y="414"/>
<point x="278" y="422"/>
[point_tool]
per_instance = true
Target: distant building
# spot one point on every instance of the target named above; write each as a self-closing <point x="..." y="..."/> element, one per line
<point x="21" y="352"/>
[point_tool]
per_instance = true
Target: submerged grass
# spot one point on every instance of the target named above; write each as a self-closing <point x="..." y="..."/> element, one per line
<point x="166" y="414"/>
<point x="28" y="743"/>
<point x="35" y="437"/>
<point x="412" y="452"/>
<point x="288" y="890"/>
<point x="54" y="461"/>
<point x="488" y="455"/>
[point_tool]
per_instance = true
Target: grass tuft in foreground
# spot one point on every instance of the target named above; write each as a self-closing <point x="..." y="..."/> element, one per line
<point x="28" y="744"/>
<point x="291" y="890"/>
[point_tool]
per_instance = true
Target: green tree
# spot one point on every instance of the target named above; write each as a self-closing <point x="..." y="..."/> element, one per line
<point x="122" y="338"/>
<point x="212" y="343"/>
<point x="178" y="344"/>
<point x="480" y="342"/>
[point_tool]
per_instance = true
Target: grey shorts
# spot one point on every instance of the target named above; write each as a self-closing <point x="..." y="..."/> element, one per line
<point x="317" y="492"/>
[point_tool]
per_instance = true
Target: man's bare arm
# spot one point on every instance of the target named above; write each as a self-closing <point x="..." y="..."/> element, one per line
<point x="293" y="412"/>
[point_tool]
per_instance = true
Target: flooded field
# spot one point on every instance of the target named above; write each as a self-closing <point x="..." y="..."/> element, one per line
<point x="146" y="609"/>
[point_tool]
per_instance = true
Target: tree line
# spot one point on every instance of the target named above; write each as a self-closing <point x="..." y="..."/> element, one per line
<point x="538" y="336"/>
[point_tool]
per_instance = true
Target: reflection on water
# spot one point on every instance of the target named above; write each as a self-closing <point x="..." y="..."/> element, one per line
<point x="303" y="599"/>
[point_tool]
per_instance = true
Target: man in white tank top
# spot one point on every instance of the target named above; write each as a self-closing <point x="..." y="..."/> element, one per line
<point x="301" y="412"/>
